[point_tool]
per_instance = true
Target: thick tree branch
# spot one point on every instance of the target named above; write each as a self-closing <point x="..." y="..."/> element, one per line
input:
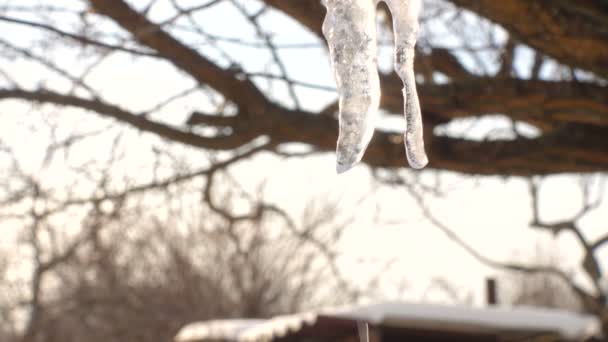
<point x="574" y="33"/>
<point x="545" y="104"/>
<point x="573" y="148"/>
<point x="564" y="150"/>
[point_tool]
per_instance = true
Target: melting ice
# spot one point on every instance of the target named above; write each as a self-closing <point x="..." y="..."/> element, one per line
<point x="350" y="30"/>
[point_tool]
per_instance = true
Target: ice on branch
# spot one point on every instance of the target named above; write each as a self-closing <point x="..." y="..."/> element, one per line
<point x="350" y="30"/>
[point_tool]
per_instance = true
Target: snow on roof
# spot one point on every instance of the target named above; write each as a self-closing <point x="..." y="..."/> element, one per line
<point x="569" y="325"/>
<point x="245" y="330"/>
<point x="225" y="329"/>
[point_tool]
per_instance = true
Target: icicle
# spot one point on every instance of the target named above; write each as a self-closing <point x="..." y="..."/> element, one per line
<point x="350" y="30"/>
<point x="405" y="28"/>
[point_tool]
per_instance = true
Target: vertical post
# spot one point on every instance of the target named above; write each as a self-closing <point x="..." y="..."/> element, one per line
<point x="363" y="330"/>
<point x="491" y="291"/>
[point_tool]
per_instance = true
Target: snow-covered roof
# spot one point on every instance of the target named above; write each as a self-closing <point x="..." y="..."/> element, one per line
<point x="225" y="329"/>
<point x="245" y="330"/>
<point x="569" y="325"/>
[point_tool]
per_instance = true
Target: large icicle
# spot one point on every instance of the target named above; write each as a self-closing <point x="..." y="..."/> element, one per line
<point x="350" y="30"/>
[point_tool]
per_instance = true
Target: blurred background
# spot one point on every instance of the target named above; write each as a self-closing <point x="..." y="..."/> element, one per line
<point x="171" y="161"/>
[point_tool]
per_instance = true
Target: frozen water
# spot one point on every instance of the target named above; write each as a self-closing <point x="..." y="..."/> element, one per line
<point x="405" y="27"/>
<point x="350" y="30"/>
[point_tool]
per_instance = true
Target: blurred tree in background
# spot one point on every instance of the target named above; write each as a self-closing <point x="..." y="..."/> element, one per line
<point x="130" y="222"/>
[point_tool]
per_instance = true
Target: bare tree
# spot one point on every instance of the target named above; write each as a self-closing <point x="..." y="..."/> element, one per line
<point x="560" y="94"/>
<point x="128" y="257"/>
<point x="132" y="273"/>
<point x="527" y="79"/>
<point x="594" y="300"/>
<point x="540" y="289"/>
<point x="539" y="275"/>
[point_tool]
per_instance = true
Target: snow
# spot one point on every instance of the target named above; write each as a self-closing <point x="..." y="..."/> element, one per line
<point x="217" y="329"/>
<point x="278" y="327"/>
<point x="350" y="30"/>
<point x="245" y="330"/>
<point x="567" y="324"/>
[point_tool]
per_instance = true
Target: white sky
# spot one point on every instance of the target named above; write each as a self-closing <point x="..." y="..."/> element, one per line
<point x="492" y="213"/>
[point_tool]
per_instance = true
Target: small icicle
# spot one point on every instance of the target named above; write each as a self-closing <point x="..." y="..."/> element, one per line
<point x="405" y="28"/>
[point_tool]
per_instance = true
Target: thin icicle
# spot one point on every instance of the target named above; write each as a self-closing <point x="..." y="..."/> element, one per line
<point x="405" y="28"/>
<point x="350" y="30"/>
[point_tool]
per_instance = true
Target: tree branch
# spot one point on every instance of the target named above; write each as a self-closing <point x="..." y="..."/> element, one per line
<point x="221" y="142"/>
<point x="553" y="28"/>
<point x="241" y="91"/>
